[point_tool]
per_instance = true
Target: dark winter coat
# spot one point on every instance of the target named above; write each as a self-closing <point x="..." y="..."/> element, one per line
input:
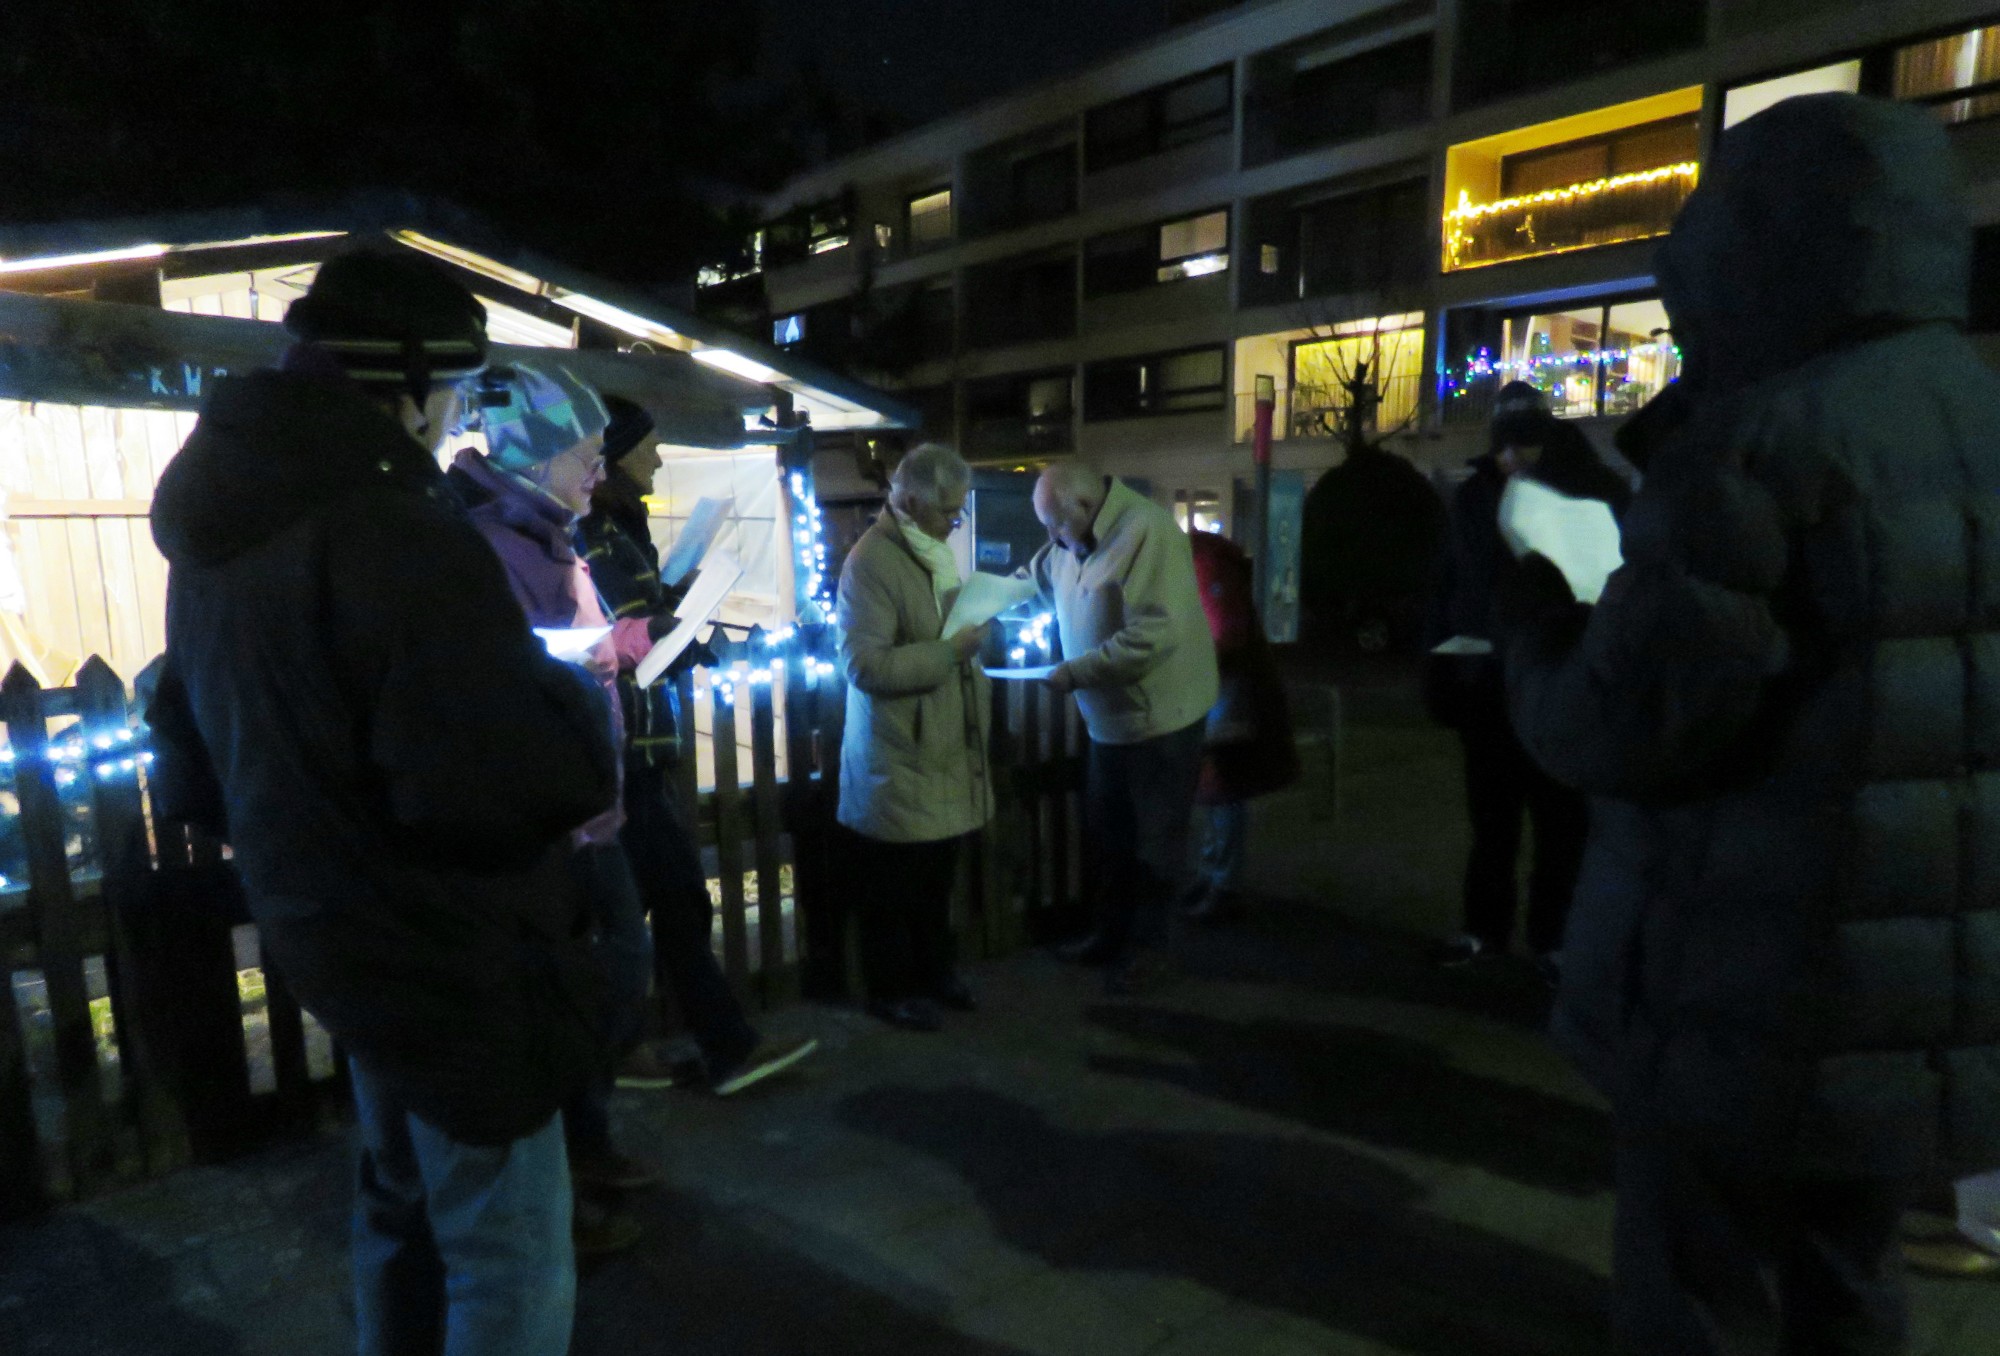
<point x="1785" y="942"/>
<point x="617" y="543"/>
<point x="1466" y="691"/>
<point x="1249" y="750"/>
<point x="393" y="757"/>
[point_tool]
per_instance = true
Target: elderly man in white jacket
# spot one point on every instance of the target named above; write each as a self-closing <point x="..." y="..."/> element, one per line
<point x="1140" y="659"/>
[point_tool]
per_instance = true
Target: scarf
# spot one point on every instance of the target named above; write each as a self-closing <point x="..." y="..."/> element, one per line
<point x="935" y="556"/>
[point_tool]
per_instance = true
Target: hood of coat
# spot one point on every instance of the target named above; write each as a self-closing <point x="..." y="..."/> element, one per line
<point x="493" y="496"/>
<point x="1824" y="221"/>
<point x="271" y="448"/>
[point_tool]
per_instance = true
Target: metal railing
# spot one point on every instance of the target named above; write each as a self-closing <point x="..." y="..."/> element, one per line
<point x="1581" y="216"/>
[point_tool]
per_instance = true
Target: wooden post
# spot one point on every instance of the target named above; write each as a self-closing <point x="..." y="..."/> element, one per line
<point x="777" y="983"/>
<point x="121" y="835"/>
<point x="729" y="840"/>
<point x="53" y="902"/>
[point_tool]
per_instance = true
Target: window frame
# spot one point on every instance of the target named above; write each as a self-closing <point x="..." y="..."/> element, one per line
<point x="916" y="244"/>
<point x="1149" y="364"/>
<point x="1160" y="134"/>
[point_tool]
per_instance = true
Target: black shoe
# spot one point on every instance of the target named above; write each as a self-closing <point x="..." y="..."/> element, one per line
<point x="1144" y="973"/>
<point x="956" y="996"/>
<point x="908" y="1014"/>
<point x="1455" y="952"/>
<point x="1216" y="907"/>
<point x="1094" y="949"/>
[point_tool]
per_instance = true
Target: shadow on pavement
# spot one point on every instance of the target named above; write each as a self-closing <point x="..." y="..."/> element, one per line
<point x="1387" y="1090"/>
<point x="1311" y="946"/>
<point x="1290" y="1224"/>
<point x="71" y="1285"/>
<point x="703" y="1284"/>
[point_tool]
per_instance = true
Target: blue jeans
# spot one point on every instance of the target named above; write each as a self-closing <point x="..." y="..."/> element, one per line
<point x="623" y="950"/>
<point x="1138" y="802"/>
<point x="1227" y="844"/>
<point x="459" y="1249"/>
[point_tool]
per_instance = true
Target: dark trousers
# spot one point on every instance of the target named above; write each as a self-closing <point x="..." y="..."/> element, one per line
<point x="1138" y="801"/>
<point x="1707" y="1262"/>
<point x="624" y="956"/>
<point x="1501" y="784"/>
<point x="902" y="901"/>
<point x="674" y="889"/>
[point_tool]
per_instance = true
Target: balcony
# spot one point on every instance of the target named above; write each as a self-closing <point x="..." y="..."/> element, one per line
<point x="1583" y="216"/>
<point x="1021" y="436"/>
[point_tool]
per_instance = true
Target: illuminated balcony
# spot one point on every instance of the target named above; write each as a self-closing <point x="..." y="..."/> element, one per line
<point x="1577" y="217"/>
<point x="1605" y="177"/>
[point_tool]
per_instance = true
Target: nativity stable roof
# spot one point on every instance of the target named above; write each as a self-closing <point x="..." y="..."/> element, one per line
<point x="726" y="366"/>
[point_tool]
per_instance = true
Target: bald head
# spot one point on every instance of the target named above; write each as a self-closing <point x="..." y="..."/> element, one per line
<point x="1067" y="499"/>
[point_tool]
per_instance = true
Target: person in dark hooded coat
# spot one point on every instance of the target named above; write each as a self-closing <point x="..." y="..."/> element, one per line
<point x="353" y="699"/>
<point x="1783" y="960"/>
<point x="1503" y="786"/>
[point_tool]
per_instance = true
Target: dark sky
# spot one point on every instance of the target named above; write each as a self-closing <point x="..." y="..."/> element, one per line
<point x="920" y="59"/>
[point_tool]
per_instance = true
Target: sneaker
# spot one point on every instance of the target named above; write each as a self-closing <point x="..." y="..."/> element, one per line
<point x="1548" y="965"/>
<point x="1094" y="949"/>
<point x="645" y="1070"/>
<point x="598" y="1231"/>
<point x="1457" y="951"/>
<point x="1215" y="907"/>
<point x="772" y="1057"/>
<point x="609" y="1170"/>
<point x="1954" y="1259"/>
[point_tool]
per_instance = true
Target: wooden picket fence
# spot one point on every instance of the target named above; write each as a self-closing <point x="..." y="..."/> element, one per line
<point x="145" y="1030"/>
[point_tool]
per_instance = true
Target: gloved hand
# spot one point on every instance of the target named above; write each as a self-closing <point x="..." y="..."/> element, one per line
<point x="1534" y="600"/>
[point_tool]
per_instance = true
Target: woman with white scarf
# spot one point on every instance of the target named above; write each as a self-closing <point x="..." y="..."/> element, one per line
<point x="914" y="779"/>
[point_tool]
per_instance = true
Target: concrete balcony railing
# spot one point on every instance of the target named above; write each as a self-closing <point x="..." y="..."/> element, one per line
<point x="1579" y="217"/>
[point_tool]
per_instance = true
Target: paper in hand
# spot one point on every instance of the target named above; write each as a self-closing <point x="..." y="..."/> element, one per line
<point x="695" y="539"/>
<point x="1464" y="645"/>
<point x="1034" y="675"/>
<point x="982" y="597"/>
<point x="1579" y="536"/>
<point x="571" y="643"/>
<point x="696" y="610"/>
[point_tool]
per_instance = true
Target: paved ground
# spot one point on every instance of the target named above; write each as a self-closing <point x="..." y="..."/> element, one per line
<point x="1312" y="1145"/>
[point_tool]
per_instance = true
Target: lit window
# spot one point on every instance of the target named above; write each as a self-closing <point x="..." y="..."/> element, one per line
<point x="1198" y="510"/>
<point x="827" y="244"/>
<point x="1588" y="360"/>
<point x="1959" y="76"/>
<point x="1380" y="360"/>
<point x="789" y="330"/>
<point x="1747" y="101"/>
<point x="1195" y="247"/>
<point x="885" y="235"/>
<point x="930" y="219"/>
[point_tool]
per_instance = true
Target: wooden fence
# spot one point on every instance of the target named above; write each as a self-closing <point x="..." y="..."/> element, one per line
<point x="146" y="1031"/>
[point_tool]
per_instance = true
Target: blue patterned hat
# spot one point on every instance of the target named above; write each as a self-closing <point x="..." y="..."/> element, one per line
<point x="532" y="415"/>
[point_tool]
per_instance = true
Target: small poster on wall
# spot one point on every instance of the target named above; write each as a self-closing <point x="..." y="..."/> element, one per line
<point x="1280" y="603"/>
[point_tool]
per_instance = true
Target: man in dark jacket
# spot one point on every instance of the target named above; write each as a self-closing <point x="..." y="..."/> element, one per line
<point x="1781" y="961"/>
<point x="617" y="542"/>
<point x="341" y="648"/>
<point x="1502" y="784"/>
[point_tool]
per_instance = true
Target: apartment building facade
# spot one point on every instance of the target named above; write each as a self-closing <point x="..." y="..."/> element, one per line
<point x="1406" y="204"/>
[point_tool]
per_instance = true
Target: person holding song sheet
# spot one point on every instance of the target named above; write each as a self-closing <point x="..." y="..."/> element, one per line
<point x="545" y="453"/>
<point x="914" y="779"/>
<point x="617" y="545"/>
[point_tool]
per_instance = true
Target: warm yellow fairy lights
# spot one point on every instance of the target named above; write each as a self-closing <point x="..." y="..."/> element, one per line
<point x="1467" y="213"/>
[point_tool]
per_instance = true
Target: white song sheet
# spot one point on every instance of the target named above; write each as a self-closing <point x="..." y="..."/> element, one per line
<point x="696" y="537"/>
<point x="982" y="597"/>
<point x="571" y="642"/>
<point x="711" y="586"/>
<point x="1578" y="535"/>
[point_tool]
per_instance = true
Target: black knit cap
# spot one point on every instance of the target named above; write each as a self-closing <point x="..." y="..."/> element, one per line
<point x="1521" y="416"/>
<point x="628" y="428"/>
<point x="394" y="319"/>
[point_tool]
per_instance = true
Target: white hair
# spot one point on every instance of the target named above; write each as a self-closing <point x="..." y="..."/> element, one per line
<point x="930" y="474"/>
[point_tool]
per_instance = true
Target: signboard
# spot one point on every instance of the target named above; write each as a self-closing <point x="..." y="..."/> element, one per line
<point x="1280" y="604"/>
